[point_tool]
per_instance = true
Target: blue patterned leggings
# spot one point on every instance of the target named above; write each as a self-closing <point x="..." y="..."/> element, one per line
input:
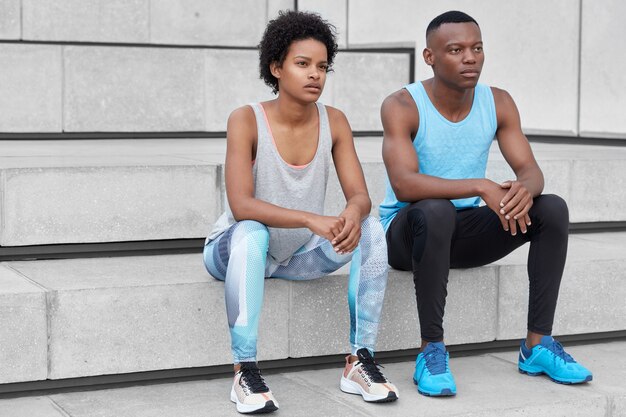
<point x="239" y="257"/>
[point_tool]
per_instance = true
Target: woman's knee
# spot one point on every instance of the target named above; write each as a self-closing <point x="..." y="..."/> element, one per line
<point x="372" y="231"/>
<point x="251" y="231"/>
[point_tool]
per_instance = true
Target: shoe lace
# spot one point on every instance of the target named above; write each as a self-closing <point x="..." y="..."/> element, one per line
<point x="251" y="374"/>
<point x="371" y="367"/>
<point x="435" y="360"/>
<point x="558" y="350"/>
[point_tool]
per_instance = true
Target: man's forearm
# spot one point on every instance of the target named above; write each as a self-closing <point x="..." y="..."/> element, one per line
<point x="420" y="186"/>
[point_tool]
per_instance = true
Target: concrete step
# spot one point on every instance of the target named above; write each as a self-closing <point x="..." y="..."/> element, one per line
<point x="131" y="190"/>
<point x="84" y="317"/>
<point x="488" y="385"/>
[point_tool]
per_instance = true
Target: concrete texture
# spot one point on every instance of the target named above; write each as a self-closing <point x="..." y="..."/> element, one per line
<point x="126" y="21"/>
<point x="385" y="24"/>
<point x="471" y="293"/>
<point x="118" y="315"/>
<point x="30" y="407"/>
<point x="23" y="329"/>
<point x="592" y="288"/>
<point x="133" y="89"/>
<point x="134" y="314"/>
<point x="10" y="19"/>
<point x="274" y="6"/>
<point x="231" y="80"/>
<point x="602" y="94"/>
<point x="541" y="73"/>
<point x="105" y="204"/>
<point x="30" y="88"/>
<point x="597" y="189"/>
<point x="335" y="12"/>
<point x="361" y="82"/>
<point x="207" y="22"/>
<point x="114" y="190"/>
<point x="488" y="385"/>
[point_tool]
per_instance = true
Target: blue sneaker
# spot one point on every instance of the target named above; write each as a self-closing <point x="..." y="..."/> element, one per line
<point x="549" y="358"/>
<point x="432" y="373"/>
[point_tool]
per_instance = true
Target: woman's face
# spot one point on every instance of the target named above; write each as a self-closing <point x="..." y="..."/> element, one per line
<point x="303" y="73"/>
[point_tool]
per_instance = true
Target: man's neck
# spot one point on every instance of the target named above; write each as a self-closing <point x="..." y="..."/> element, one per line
<point x="453" y="103"/>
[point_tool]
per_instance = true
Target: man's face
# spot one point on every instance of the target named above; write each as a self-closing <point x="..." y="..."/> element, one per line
<point x="455" y="52"/>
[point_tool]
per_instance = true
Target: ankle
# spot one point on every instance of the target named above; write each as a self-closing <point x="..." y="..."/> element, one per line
<point x="532" y="339"/>
<point x="426" y="342"/>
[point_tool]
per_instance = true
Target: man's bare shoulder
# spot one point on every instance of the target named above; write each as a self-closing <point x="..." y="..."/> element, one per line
<point x="400" y="98"/>
<point x="506" y="110"/>
<point x="501" y="96"/>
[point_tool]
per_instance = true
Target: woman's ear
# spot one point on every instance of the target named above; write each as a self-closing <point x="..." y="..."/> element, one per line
<point x="275" y="69"/>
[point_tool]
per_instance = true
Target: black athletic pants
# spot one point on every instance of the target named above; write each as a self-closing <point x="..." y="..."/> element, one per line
<point x="430" y="236"/>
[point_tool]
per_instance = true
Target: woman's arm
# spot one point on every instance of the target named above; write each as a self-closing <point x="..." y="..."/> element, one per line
<point x="350" y="174"/>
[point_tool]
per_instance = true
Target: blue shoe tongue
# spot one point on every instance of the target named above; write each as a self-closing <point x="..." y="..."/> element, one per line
<point x="549" y="343"/>
<point x="435" y="354"/>
<point x="546" y="341"/>
<point x="435" y="345"/>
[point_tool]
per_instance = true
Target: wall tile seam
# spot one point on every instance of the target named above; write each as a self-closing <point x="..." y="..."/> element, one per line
<point x="580" y="52"/>
<point x="63" y="89"/>
<point x="58" y="406"/>
<point x="24" y="276"/>
<point x="2" y="206"/>
<point x="497" y="311"/>
<point x="356" y="49"/>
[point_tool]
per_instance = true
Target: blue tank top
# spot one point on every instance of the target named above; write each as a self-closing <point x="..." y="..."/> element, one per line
<point x="446" y="149"/>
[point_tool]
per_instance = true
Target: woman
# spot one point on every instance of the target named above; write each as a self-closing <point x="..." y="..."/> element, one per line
<point x="277" y="162"/>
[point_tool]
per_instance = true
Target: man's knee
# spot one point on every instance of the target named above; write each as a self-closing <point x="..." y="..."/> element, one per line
<point x="434" y="215"/>
<point x="550" y="209"/>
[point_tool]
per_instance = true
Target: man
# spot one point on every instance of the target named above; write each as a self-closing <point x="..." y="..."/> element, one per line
<point x="437" y="135"/>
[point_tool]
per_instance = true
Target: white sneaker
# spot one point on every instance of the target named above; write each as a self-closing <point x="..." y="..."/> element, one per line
<point x="250" y="392"/>
<point x="363" y="377"/>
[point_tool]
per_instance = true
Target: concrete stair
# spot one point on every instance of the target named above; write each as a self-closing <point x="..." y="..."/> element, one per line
<point x="488" y="385"/>
<point x="85" y="317"/>
<point x="132" y="190"/>
<point x="105" y="316"/>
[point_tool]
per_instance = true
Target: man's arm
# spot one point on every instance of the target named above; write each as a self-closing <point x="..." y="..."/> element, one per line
<point x="518" y="154"/>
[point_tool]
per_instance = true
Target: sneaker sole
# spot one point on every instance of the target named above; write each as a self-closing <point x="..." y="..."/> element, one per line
<point x="446" y="392"/>
<point x="268" y="407"/>
<point x="351" y="387"/>
<point x="557" y="380"/>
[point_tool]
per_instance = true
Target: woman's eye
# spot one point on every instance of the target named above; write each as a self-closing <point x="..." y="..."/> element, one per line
<point x="301" y="63"/>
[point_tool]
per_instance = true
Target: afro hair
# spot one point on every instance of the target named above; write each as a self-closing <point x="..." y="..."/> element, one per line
<point x="288" y="27"/>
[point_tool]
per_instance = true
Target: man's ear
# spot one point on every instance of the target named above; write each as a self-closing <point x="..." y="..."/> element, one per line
<point x="275" y="69"/>
<point x="428" y="56"/>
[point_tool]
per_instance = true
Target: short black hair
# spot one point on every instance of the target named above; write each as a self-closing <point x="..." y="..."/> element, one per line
<point x="288" y="27"/>
<point x="453" y="16"/>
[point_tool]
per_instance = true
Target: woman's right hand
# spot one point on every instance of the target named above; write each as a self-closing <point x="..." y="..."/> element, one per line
<point x="325" y="226"/>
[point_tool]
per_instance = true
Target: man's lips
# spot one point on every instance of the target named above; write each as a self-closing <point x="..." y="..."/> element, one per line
<point x="470" y="72"/>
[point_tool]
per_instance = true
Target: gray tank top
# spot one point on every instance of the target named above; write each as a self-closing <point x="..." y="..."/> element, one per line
<point x="285" y="185"/>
